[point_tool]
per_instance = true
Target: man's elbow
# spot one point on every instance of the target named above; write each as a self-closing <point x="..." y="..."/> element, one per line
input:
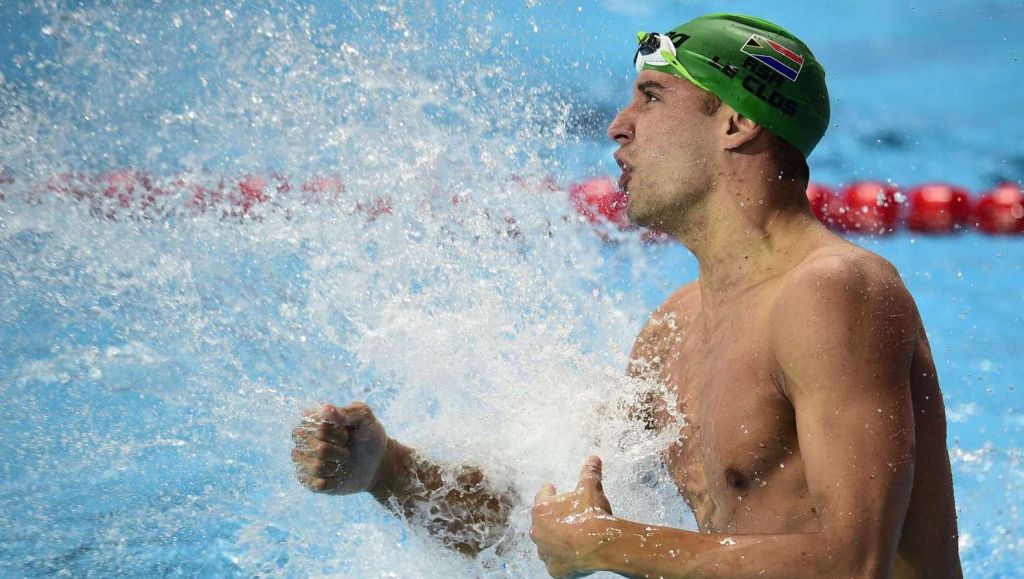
<point x="860" y="558"/>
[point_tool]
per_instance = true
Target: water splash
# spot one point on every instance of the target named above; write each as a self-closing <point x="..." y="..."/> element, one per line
<point x="156" y="358"/>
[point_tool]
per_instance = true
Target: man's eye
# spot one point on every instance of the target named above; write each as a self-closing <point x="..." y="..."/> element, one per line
<point x="650" y="97"/>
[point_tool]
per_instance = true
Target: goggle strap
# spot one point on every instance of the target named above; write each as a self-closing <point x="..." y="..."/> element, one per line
<point x="675" y="64"/>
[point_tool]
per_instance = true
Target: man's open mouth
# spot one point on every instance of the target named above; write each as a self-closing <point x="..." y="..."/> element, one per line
<point x="624" y="177"/>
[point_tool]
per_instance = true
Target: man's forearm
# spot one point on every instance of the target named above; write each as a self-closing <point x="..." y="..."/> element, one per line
<point x="637" y="550"/>
<point x="457" y="504"/>
<point x="394" y="481"/>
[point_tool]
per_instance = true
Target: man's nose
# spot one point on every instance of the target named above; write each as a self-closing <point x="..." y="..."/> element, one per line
<point x="621" y="130"/>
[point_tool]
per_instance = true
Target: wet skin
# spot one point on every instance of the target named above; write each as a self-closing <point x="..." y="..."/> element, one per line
<point x="738" y="461"/>
<point x="814" y="436"/>
<point x="813" y="439"/>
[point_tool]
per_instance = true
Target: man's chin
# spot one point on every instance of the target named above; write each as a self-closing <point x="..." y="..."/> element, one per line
<point x="637" y="216"/>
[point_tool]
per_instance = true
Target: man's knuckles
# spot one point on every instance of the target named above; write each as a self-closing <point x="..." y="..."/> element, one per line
<point x="327" y="469"/>
<point x="300" y="435"/>
<point x="357" y="415"/>
<point x="332" y="433"/>
<point x="308" y="464"/>
<point x="358" y="407"/>
<point x="332" y="452"/>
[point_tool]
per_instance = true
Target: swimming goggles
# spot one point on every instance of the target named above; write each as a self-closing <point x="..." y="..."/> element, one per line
<point x="657" y="50"/>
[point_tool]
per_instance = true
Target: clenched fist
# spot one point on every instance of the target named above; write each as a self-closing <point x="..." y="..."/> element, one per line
<point x="339" y="450"/>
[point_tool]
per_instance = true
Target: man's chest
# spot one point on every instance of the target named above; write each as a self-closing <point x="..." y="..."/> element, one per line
<point x="738" y="430"/>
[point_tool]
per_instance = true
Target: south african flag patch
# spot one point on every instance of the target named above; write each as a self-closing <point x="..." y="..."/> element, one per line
<point x="782" y="60"/>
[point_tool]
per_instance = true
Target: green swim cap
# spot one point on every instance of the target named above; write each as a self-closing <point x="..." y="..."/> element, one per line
<point x="756" y="67"/>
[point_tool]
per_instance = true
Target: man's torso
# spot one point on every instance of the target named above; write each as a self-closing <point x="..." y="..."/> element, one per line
<point x="737" y="460"/>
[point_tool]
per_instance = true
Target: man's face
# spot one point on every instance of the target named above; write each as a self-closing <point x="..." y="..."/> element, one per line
<point x="665" y="144"/>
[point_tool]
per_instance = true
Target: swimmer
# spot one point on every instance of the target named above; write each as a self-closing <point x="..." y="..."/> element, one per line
<point x="815" y="435"/>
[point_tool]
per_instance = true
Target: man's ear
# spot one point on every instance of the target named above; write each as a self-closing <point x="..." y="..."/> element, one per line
<point x="740" y="130"/>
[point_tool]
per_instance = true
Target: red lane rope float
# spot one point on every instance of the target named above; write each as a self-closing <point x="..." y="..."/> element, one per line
<point x="881" y="208"/>
<point x="1001" y="210"/>
<point x="938" y="208"/>
<point x="600" y="200"/>
<point x="114" y="193"/>
<point x="866" y="207"/>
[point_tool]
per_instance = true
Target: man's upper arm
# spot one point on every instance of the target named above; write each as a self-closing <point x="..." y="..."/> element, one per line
<point x="844" y="334"/>
<point x="644" y="365"/>
<point x="662" y="328"/>
<point x="652" y="347"/>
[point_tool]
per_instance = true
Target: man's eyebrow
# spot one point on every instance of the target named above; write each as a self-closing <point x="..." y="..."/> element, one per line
<point x="649" y="84"/>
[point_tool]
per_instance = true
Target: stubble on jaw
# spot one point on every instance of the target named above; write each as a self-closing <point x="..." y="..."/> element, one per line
<point x="663" y="208"/>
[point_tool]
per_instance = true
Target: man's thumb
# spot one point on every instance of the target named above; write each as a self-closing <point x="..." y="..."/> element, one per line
<point x="590" y="474"/>
<point x="590" y="483"/>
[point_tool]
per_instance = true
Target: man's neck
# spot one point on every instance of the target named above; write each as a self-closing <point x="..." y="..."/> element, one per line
<point x="744" y="235"/>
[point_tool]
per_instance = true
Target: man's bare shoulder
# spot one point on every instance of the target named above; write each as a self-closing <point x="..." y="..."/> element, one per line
<point x="838" y="274"/>
<point x="674" y="314"/>
<point x="842" y="301"/>
<point x="661" y="328"/>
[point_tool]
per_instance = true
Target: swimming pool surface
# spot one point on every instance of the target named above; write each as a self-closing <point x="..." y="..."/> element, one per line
<point x="153" y="364"/>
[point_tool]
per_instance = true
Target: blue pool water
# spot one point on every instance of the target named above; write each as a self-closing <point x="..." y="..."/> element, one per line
<point x="153" y="365"/>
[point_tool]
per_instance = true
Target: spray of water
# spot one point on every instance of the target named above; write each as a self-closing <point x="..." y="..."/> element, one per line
<point x="156" y="355"/>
